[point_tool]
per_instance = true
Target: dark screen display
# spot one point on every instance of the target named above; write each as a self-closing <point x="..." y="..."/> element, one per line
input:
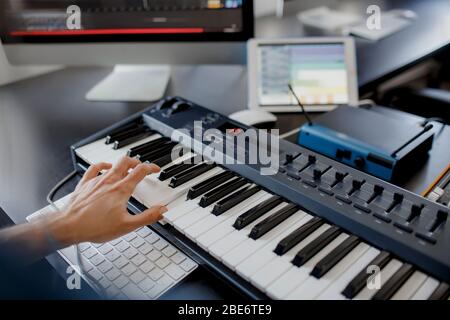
<point x="125" y="20"/>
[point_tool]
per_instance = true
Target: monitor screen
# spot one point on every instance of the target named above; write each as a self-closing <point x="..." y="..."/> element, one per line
<point x="317" y="72"/>
<point x="49" y="21"/>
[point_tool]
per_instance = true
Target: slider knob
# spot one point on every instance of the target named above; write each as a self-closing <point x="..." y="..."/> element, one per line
<point x="289" y="158"/>
<point x="339" y="176"/>
<point x="415" y="212"/>
<point x="357" y="184"/>
<point x="317" y="174"/>
<point x="398" y="197"/>
<point x="377" y="189"/>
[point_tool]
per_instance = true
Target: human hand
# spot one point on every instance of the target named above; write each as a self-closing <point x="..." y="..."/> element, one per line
<point x="97" y="211"/>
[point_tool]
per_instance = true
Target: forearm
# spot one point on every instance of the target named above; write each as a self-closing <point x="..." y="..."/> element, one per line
<point x="97" y="213"/>
<point x="29" y="242"/>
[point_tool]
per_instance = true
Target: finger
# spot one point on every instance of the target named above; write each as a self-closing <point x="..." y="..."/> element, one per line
<point x="147" y="217"/>
<point x="94" y="171"/>
<point x="138" y="174"/>
<point x="120" y="170"/>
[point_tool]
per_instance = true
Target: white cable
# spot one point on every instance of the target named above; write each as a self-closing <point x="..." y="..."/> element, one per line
<point x="79" y="261"/>
<point x="58" y="186"/>
<point x="287" y="134"/>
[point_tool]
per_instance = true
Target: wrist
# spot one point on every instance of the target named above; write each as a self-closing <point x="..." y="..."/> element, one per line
<point x="61" y="230"/>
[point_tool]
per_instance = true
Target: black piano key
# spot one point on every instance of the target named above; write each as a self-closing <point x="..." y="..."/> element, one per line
<point x="234" y="199"/>
<point x="157" y="153"/>
<point x="163" y="161"/>
<point x="130" y="126"/>
<point x="163" y="146"/>
<point x="333" y="258"/>
<point x="442" y="292"/>
<point x="394" y="283"/>
<point x="221" y="191"/>
<point x="358" y="282"/>
<point x="126" y="142"/>
<point x="127" y="134"/>
<point x="316" y="246"/>
<point x="147" y="147"/>
<point x="209" y="184"/>
<point x="190" y="174"/>
<point x="298" y="235"/>
<point x="274" y="220"/>
<point x="176" y="169"/>
<point x="254" y="213"/>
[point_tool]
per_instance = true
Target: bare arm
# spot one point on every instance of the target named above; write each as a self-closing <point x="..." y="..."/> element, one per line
<point x="97" y="212"/>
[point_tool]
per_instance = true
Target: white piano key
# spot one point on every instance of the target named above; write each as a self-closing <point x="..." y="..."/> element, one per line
<point x="191" y="217"/>
<point x="250" y="246"/>
<point x="280" y="264"/>
<point x="260" y="258"/>
<point x="426" y="289"/>
<point x="176" y="161"/>
<point x="282" y="286"/>
<point x="176" y="211"/>
<point x="410" y="287"/>
<point x="98" y="151"/>
<point x="225" y="227"/>
<point x="194" y="216"/>
<point x="153" y="192"/>
<point x="88" y="152"/>
<point x="334" y="291"/>
<point x="206" y="224"/>
<point x="385" y="274"/>
<point x="235" y="238"/>
<point x="313" y="287"/>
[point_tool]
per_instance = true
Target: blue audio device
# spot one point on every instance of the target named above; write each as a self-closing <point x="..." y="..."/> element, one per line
<point x="385" y="144"/>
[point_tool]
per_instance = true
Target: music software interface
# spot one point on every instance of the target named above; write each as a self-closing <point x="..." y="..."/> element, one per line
<point x="33" y="18"/>
<point x="317" y="72"/>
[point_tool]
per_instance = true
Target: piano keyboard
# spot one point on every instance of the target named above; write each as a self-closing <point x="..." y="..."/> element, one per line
<point x="270" y="243"/>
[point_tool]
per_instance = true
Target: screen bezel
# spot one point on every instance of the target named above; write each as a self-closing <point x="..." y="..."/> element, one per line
<point x="246" y="34"/>
<point x="254" y="77"/>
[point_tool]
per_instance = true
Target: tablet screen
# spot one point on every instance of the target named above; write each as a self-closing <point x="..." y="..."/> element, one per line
<point x="317" y="72"/>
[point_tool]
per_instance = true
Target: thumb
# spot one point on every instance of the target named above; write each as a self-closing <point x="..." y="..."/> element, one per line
<point x="148" y="217"/>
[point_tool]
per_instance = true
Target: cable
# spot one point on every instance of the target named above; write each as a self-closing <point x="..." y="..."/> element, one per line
<point x="79" y="261"/>
<point x="289" y="133"/>
<point x="58" y="186"/>
<point x="300" y="104"/>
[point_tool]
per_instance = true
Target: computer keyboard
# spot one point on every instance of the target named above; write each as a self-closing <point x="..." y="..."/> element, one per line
<point x="139" y="266"/>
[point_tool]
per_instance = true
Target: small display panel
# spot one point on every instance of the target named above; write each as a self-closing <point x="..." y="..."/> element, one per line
<point x="317" y="73"/>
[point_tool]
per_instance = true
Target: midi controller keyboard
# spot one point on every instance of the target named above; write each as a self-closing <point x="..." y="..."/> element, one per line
<point x="309" y="231"/>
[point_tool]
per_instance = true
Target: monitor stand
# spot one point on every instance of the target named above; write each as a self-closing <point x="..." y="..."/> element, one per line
<point x="132" y="83"/>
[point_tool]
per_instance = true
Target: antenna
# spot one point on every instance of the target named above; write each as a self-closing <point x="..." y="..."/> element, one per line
<point x="300" y="104"/>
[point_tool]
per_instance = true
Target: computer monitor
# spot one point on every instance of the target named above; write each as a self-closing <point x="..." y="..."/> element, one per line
<point x="131" y="32"/>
